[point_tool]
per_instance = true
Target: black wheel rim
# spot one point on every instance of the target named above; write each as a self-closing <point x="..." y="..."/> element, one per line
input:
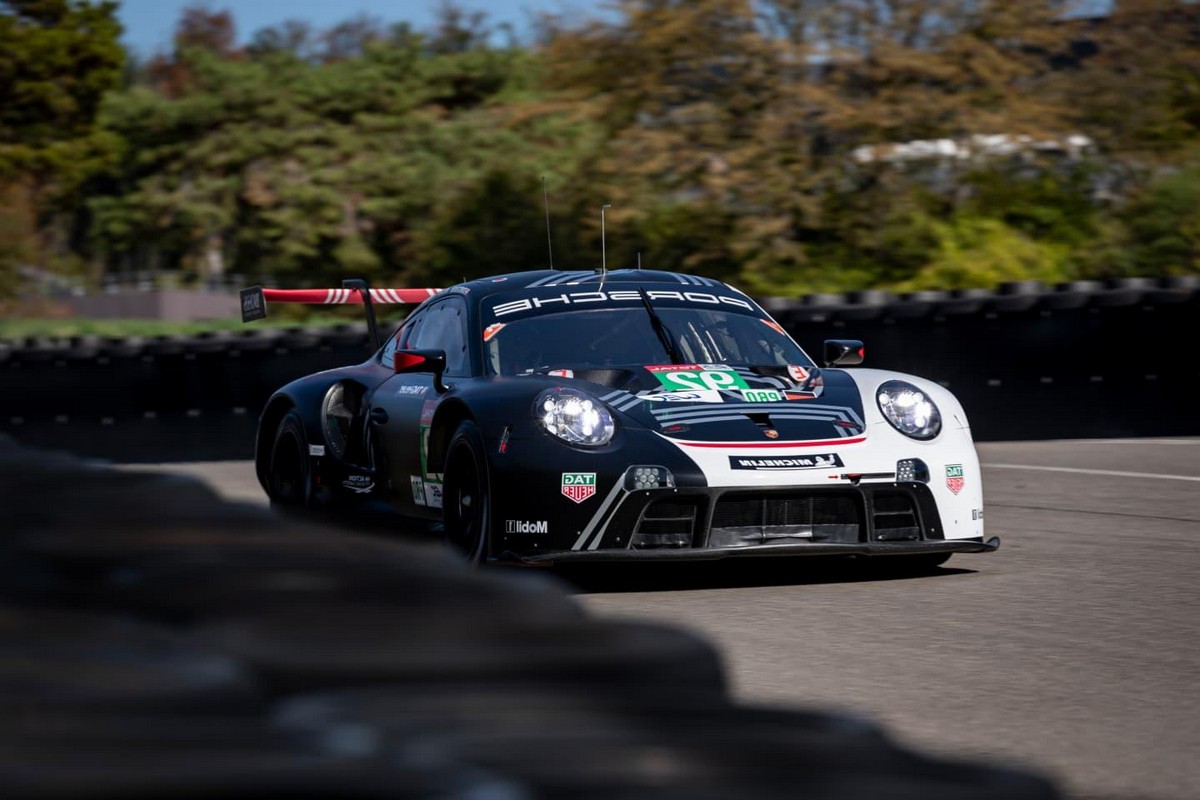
<point x="462" y="502"/>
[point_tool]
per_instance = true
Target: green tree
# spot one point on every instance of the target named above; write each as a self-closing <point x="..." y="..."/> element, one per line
<point x="1163" y="226"/>
<point x="749" y="115"/>
<point x="284" y="160"/>
<point x="57" y="60"/>
<point x="787" y="146"/>
<point x="1132" y="79"/>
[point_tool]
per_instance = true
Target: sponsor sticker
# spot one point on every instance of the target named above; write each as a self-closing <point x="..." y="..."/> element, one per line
<point x="656" y="368"/>
<point x="562" y="373"/>
<point x="702" y="396"/>
<point x="359" y="484"/>
<point x="798" y="374"/>
<point x="253" y="304"/>
<point x="976" y="514"/>
<point x="526" y="526"/>
<point x="316" y="449"/>
<point x="412" y="389"/>
<point x="566" y="299"/>
<point x="954" y="477"/>
<point x="491" y="330"/>
<point x="418" y="489"/>
<point x="761" y="396"/>
<point x="433" y="494"/>
<point x="427" y="409"/>
<point x="578" y="486"/>
<point x="776" y="463"/>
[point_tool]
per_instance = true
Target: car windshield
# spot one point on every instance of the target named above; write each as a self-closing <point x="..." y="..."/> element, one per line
<point x="608" y="337"/>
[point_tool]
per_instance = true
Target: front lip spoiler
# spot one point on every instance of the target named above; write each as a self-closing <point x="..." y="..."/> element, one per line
<point x="871" y="549"/>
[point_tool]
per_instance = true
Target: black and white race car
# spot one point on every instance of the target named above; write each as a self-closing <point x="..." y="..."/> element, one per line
<point x="560" y="416"/>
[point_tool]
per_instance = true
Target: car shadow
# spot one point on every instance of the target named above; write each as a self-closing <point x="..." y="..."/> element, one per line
<point x="741" y="572"/>
<point x="675" y="576"/>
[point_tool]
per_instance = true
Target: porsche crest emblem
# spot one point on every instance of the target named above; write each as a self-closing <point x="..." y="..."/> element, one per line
<point x="771" y="433"/>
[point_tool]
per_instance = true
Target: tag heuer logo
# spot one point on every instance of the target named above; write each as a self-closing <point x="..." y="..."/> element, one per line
<point x="954" y="477"/>
<point x="579" y="486"/>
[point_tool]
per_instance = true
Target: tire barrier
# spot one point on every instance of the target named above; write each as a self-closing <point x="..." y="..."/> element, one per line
<point x="1028" y="361"/>
<point x="156" y="642"/>
<point x="1085" y="359"/>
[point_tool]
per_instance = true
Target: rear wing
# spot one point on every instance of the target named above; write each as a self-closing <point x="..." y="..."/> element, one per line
<point x="353" y="292"/>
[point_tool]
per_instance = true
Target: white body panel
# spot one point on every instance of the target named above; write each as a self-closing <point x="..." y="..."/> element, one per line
<point x="875" y="452"/>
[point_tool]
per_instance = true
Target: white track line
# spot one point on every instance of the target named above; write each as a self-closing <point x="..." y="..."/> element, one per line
<point x="1151" y="441"/>
<point x="1109" y="472"/>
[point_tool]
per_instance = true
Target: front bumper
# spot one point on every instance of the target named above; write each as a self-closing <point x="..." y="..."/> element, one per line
<point x="871" y="549"/>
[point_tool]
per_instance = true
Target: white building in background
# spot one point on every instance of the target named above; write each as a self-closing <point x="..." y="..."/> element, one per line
<point x="974" y="148"/>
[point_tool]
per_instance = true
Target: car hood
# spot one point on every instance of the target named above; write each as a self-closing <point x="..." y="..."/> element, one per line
<point x="785" y="404"/>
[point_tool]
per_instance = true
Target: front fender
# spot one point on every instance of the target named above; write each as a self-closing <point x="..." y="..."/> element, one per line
<point x="956" y="478"/>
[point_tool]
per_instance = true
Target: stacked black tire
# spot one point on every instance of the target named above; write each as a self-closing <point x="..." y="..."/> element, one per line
<point x="156" y="642"/>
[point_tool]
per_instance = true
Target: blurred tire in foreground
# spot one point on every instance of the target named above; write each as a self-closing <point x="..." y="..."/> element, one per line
<point x="156" y="642"/>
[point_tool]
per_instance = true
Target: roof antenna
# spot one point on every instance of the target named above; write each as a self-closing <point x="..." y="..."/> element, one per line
<point x="546" y="203"/>
<point x="639" y="259"/>
<point x="603" y="254"/>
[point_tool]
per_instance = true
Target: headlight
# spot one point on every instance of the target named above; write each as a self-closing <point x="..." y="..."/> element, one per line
<point x="908" y="410"/>
<point x="575" y="417"/>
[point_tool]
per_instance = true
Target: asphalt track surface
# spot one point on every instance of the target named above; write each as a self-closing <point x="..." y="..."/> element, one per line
<point x="1073" y="650"/>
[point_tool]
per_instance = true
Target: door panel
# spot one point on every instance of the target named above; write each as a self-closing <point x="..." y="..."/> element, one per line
<point x="398" y="409"/>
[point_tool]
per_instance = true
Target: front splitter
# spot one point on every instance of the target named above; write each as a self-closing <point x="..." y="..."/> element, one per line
<point x="754" y="551"/>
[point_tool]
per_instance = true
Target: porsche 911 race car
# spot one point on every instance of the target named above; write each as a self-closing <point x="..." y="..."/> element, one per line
<point x="559" y="416"/>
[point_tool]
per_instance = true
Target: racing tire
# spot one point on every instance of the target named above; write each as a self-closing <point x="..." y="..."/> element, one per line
<point x="289" y="474"/>
<point x="466" y="496"/>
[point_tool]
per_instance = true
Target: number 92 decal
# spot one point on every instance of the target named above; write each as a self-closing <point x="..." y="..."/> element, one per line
<point x="696" y="377"/>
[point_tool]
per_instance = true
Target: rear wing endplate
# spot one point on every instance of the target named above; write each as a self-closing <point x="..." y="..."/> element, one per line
<point x="354" y="291"/>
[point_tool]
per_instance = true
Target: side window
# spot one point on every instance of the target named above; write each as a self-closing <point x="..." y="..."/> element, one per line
<point x="408" y="334"/>
<point x="445" y="328"/>
<point x="399" y="338"/>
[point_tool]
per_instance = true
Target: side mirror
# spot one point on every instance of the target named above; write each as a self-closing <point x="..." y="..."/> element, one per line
<point x="843" y="352"/>
<point x="406" y="361"/>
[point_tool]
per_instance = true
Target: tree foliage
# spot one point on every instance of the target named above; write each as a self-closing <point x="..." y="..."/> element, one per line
<point x="788" y="146"/>
<point x="58" y="59"/>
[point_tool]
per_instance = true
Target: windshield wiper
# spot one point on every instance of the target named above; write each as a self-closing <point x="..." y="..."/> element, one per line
<point x="660" y="329"/>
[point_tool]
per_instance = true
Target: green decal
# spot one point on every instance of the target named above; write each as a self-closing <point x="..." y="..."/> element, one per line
<point x="699" y="379"/>
<point x="761" y="396"/>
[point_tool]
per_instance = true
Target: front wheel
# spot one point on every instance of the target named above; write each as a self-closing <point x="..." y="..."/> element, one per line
<point x="466" y="505"/>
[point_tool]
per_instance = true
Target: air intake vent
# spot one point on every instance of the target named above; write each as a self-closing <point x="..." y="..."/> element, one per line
<point x="740" y="521"/>
<point x="895" y="517"/>
<point x="665" y="523"/>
